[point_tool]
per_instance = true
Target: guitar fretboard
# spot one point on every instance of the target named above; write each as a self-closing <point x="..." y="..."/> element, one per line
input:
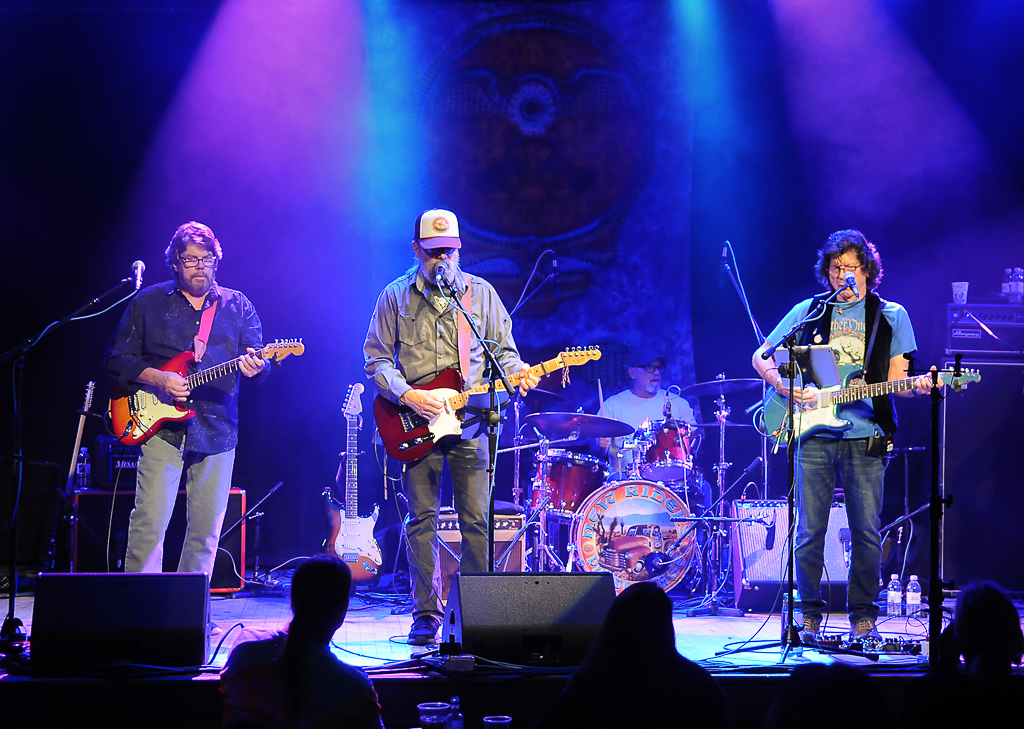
<point x="859" y="392"/>
<point x="216" y="372"/>
<point x="565" y="359"/>
<point x="352" y="467"/>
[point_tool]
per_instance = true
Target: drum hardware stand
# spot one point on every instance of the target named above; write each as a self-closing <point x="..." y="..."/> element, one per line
<point x="714" y="548"/>
<point x="543" y="555"/>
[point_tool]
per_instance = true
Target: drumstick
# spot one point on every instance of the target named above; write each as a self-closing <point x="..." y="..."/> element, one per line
<point x="600" y="398"/>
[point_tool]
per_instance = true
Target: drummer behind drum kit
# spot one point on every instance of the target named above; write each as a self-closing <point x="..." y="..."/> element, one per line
<point x="643" y="527"/>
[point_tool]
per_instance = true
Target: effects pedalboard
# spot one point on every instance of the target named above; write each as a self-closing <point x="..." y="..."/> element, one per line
<point x="890" y="644"/>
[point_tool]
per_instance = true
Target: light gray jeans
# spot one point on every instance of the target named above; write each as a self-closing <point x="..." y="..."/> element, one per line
<point x="207" y="485"/>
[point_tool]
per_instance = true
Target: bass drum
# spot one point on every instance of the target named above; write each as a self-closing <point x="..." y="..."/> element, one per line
<point x="632" y="529"/>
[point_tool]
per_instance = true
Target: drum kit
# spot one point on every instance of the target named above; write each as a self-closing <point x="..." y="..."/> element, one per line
<point x="641" y="523"/>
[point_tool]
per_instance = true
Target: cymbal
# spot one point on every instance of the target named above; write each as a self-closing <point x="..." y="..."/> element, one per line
<point x="589" y="426"/>
<point x="720" y="387"/>
<point x="715" y="424"/>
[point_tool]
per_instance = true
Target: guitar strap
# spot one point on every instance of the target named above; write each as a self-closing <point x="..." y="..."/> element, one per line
<point x="463" y="329"/>
<point x="871" y="342"/>
<point x="201" y="339"/>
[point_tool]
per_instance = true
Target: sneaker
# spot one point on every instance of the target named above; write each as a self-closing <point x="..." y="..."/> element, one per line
<point x="424" y="630"/>
<point x="809" y="633"/>
<point x="864" y="629"/>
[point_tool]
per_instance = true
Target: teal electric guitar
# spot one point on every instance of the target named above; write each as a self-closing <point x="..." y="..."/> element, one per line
<point x="823" y="413"/>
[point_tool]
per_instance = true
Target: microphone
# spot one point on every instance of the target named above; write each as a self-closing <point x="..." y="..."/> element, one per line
<point x="769" y="535"/>
<point x="851" y="281"/>
<point x="667" y="410"/>
<point x="845" y="538"/>
<point x="439" y="274"/>
<point x="554" y="270"/>
<point x="138" y="268"/>
<point x="723" y="264"/>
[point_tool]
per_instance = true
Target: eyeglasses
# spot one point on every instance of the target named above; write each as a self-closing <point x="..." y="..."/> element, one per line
<point x="838" y="270"/>
<point x="438" y="252"/>
<point x="651" y="369"/>
<point x="192" y="261"/>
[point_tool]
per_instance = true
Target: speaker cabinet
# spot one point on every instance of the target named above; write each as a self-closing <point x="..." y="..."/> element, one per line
<point x="101" y="619"/>
<point x="760" y="555"/>
<point x="505" y="529"/>
<point x="981" y="457"/>
<point x="104" y="521"/>
<point x="528" y="618"/>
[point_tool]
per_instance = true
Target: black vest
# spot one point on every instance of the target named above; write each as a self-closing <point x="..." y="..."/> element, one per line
<point x="877" y="370"/>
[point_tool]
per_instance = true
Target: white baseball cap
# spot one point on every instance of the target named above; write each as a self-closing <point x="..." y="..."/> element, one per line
<point x="438" y="229"/>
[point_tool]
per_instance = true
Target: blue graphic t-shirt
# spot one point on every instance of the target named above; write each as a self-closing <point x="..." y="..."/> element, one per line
<point x="848" y="341"/>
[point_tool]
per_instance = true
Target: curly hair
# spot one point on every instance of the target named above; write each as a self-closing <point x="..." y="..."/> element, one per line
<point x="192" y="232"/>
<point x="849" y="240"/>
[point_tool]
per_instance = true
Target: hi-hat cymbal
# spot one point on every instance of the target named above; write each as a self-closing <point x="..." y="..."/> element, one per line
<point x="588" y="426"/>
<point x="720" y="387"/>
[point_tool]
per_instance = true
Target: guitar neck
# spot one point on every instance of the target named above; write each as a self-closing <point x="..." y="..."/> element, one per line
<point x="217" y="371"/>
<point x="459" y="401"/>
<point x="351" y="467"/>
<point x="876" y="389"/>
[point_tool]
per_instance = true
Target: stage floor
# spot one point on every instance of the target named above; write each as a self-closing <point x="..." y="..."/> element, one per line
<point x="374" y="632"/>
<point x="373" y="637"/>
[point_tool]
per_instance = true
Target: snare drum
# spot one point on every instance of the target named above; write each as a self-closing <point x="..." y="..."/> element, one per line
<point x="626" y="527"/>
<point x="571" y="478"/>
<point x="668" y="455"/>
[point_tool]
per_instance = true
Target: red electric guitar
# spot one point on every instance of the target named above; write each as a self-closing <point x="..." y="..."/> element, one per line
<point x="137" y="416"/>
<point x="408" y="436"/>
<point x="351" y="536"/>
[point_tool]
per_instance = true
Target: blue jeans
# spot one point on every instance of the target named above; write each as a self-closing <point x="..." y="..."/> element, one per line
<point x="467" y="461"/>
<point x="861" y="475"/>
<point x="207" y="486"/>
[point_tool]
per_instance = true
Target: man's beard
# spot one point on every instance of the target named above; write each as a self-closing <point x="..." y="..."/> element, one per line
<point x="190" y="286"/>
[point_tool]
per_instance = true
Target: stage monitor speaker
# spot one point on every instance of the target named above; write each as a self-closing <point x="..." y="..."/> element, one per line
<point x="528" y="618"/>
<point x="102" y="619"/>
<point x="760" y="556"/>
<point x="105" y="516"/>
<point x="505" y="529"/>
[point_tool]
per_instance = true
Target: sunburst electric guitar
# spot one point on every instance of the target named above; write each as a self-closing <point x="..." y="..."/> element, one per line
<point x="351" y="536"/>
<point x="408" y="436"/>
<point x="137" y="416"/>
<point x="823" y="413"/>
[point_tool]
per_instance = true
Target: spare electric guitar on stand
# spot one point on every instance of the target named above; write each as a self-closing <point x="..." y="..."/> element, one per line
<point x="351" y="536"/>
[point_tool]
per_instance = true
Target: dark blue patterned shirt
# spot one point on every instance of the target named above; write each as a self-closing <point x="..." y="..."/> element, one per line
<point x="159" y="323"/>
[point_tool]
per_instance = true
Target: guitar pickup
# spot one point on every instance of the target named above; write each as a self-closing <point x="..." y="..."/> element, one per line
<point x="415" y="442"/>
<point x="412" y="421"/>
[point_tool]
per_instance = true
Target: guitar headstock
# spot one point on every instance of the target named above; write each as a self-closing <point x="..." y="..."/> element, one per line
<point x="281" y="348"/>
<point x="958" y="383"/>
<point x="353" y="405"/>
<point x="578" y="355"/>
<point x="89" y="390"/>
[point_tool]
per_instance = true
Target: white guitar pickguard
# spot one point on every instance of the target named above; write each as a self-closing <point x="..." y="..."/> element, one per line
<point x="445" y="422"/>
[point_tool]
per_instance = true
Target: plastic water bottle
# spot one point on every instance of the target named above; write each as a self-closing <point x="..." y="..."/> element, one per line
<point x="83" y="470"/>
<point x="1017" y="286"/>
<point x="894" y="599"/>
<point x="913" y="597"/>
<point x="455" y="718"/>
<point x="1005" y="288"/>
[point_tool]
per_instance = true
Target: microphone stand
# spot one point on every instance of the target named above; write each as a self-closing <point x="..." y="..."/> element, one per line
<point x="12" y="635"/>
<point x="791" y="635"/>
<point x="488" y="418"/>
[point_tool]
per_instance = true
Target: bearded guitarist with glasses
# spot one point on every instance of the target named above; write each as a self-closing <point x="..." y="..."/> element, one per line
<point x="858" y="325"/>
<point x="163" y="321"/>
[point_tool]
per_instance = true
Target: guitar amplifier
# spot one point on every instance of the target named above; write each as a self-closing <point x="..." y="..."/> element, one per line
<point x="966" y="330"/>
<point x="505" y="529"/>
<point x="760" y="556"/>
<point x="103" y="526"/>
<point x="115" y="464"/>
